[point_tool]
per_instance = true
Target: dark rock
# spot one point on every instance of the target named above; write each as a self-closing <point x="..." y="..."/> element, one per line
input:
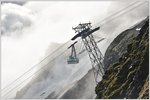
<point x="120" y="45"/>
<point x="127" y="78"/>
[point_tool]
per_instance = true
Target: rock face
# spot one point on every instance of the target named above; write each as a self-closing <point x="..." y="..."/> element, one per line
<point x="128" y="78"/>
<point x="120" y="43"/>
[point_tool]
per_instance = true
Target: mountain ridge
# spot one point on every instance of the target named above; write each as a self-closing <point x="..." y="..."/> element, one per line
<point x="128" y="78"/>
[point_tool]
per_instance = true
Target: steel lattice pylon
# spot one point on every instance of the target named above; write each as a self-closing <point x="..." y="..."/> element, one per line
<point x="96" y="57"/>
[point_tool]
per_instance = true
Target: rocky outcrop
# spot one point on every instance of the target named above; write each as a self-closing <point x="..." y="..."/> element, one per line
<point x="120" y="43"/>
<point x="128" y="78"/>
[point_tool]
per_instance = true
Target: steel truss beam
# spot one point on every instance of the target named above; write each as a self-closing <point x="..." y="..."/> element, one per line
<point x="95" y="55"/>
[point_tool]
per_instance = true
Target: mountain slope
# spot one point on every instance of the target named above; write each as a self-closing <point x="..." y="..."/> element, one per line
<point x="120" y="43"/>
<point x="83" y="89"/>
<point x="128" y="78"/>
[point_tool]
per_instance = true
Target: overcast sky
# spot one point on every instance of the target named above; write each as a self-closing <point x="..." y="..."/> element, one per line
<point x="29" y="28"/>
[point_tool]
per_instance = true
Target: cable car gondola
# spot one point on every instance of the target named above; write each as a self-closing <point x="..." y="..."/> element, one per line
<point x="73" y="58"/>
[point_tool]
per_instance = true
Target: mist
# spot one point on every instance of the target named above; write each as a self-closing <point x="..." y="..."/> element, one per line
<point x="36" y="29"/>
<point x="28" y="30"/>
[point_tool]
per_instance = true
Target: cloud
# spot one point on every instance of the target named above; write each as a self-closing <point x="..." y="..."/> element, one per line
<point x="44" y="22"/>
<point x="53" y="24"/>
<point x="15" y="18"/>
<point x="15" y="2"/>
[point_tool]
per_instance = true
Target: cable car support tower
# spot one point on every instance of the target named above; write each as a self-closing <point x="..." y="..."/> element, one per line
<point x="85" y="32"/>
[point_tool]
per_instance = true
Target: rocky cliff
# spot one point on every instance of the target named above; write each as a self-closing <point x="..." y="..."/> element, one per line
<point x="120" y="43"/>
<point x="128" y="77"/>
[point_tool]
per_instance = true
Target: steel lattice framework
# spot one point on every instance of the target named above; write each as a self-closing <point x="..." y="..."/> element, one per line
<point x="95" y="55"/>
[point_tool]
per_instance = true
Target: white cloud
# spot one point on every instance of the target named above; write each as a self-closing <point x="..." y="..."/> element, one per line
<point x="50" y="21"/>
<point x="15" y="18"/>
